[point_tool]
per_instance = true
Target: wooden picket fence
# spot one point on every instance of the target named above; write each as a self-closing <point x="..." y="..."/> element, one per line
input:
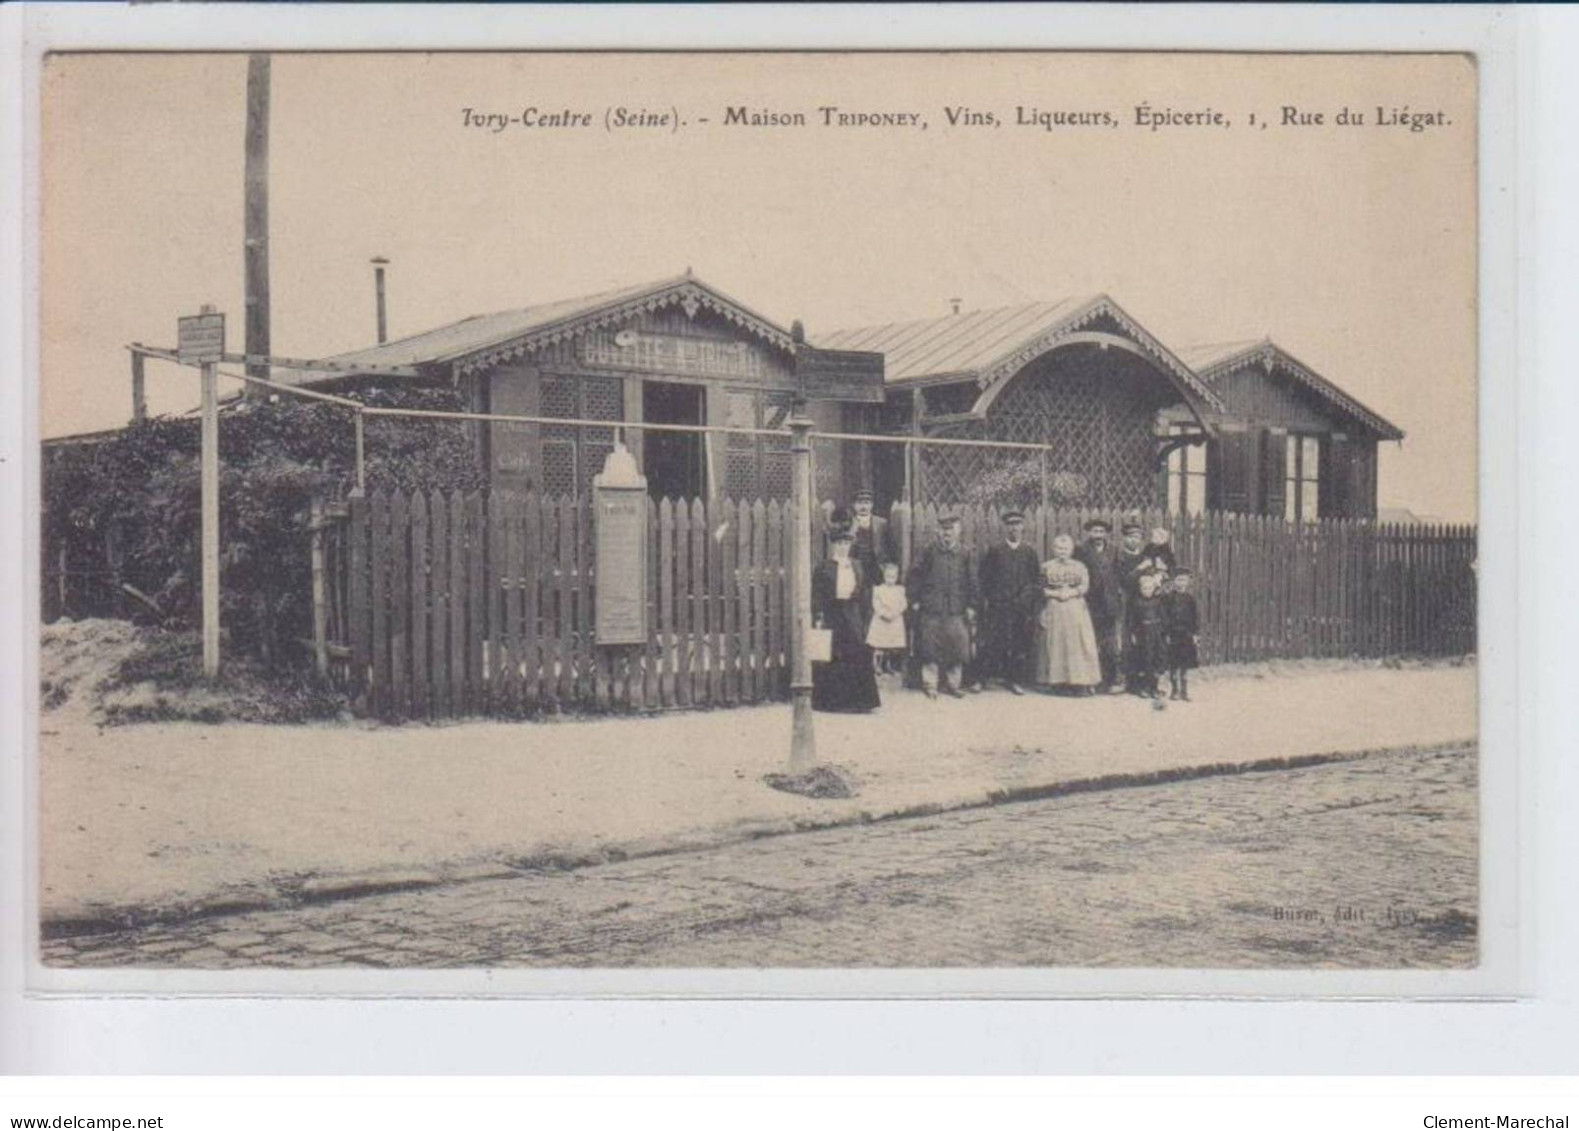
<point x="436" y="605"/>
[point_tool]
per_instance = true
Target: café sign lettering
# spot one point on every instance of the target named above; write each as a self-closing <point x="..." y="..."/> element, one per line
<point x="671" y="353"/>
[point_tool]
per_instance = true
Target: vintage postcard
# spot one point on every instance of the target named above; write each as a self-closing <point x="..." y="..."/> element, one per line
<point x="864" y="512"/>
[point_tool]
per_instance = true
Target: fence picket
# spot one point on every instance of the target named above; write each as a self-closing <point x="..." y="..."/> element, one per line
<point x="697" y="599"/>
<point x="757" y="648"/>
<point x="531" y="659"/>
<point x="774" y="565"/>
<point x="442" y="602"/>
<point x="666" y="633"/>
<point x="418" y="614"/>
<point x="460" y="602"/>
<point x="361" y="626"/>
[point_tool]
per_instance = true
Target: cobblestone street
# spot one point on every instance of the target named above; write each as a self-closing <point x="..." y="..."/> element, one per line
<point x="1366" y="863"/>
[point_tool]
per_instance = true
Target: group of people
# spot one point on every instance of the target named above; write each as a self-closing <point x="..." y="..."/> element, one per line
<point x="1094" y="618"/>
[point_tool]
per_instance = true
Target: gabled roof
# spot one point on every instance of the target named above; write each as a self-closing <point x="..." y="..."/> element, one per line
<point x="989" y="345"/>
<point x="1214" y="360"/>
<point x="486" y="339"/>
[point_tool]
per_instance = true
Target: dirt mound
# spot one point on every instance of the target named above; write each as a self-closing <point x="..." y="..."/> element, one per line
<point x="110" y="672"/>
<point x="820" y="781"/>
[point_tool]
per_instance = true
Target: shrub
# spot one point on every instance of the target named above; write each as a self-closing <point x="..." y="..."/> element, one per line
<point x="135" y="499"/>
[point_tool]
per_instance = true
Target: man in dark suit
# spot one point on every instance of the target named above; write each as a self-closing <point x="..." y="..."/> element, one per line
<point x="1010" y="573"/>
<point x="942" y="588"/>
<point x="1105" y="600"/>
<point x="872" y="546"/>
<point x="1129" y="564"/>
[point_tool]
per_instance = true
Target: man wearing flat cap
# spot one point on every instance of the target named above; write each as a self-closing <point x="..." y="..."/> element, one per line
<point x="871" y="546"/>
<point x="942" y="588"/>
<point x="1010" y="590"/>
<point x="1104" y="600"/>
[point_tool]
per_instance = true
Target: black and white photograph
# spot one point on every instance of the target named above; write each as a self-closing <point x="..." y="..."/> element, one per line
<point x="748" y="511"/>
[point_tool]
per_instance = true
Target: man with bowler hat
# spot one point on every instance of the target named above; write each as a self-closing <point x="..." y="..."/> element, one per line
<point x="942" y="588"/>
<point x="1104" y="600"/>
<point x="1010" y="590"/>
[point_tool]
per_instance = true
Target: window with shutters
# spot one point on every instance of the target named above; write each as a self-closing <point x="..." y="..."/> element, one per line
<point x="573" y="454"/>
<point x="1302" y="478"/>
<point x="755" y="467"/>
<point x="1186" y="475"/>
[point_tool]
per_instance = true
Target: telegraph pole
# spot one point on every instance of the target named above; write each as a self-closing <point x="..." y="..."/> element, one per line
<point x="256" y="218"/>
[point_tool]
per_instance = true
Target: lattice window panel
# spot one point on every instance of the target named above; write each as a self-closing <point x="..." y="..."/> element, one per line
<point x="603" y="398"/>
<point x="572" y="455"/>
<point x="740" y="469"/>
<point x="1099" y="425"/>
<point x="777" y="469"/>
<point x="559" y="396"/>
<point x="559" y="465"/>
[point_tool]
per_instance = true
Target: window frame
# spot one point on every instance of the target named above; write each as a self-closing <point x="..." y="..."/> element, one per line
<point x="1192" y="498"/>
<point x="1302" y="477"/>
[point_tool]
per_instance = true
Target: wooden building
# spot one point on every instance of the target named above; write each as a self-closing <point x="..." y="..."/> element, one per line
<point x="1289" y="442"/>
<point x="1081" y="375"/>
<point x="1241" y="427"/>
<point x="672" y="352"/>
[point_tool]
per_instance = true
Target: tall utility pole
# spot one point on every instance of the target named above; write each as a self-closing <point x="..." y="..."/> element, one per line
<point x="256" y="213"/>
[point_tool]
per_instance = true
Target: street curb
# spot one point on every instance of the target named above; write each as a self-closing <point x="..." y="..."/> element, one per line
<point x="304" y="892"/>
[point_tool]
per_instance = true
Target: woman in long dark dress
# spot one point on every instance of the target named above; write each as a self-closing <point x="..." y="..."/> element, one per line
<point x="841" y="598"/>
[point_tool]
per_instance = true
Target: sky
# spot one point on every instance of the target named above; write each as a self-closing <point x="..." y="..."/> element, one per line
<point x="1352" y="246"/>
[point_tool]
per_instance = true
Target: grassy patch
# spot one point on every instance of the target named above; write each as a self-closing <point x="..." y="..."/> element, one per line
<point x="125" y="674"/>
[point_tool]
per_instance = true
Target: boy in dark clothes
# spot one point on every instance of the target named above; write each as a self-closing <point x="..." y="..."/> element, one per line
<point x="1183" y="622"/>
<point x="1146" y="632"/>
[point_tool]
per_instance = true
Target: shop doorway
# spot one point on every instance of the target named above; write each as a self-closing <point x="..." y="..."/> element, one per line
<point x="675" y="463"/>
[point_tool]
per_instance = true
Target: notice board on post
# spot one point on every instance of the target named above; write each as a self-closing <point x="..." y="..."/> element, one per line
<point x="619" y="503"/>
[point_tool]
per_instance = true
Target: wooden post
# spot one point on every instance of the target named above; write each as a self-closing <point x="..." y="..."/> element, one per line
<point x="361" y="454"/>
<point x="139" y="390"/>
<point x="210" y="517"/>
<point x="255" y="217"/>
<point x="803" y="738"/>
<point x="320" y="596"/>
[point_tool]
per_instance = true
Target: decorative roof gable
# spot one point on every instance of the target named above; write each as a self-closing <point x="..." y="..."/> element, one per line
<point x="1213" y="361"/>
<point x="990" y="346"/>
<point x="485" y="340"/>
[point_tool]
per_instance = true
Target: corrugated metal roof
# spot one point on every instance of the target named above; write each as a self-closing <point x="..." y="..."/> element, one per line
<point x="1204" y="356"/>
<point x="989" y="345"/>
<point x="955" y="343"/>
<point x="484" y="332"/>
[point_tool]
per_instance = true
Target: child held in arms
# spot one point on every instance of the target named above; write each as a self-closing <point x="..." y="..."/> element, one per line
<point x="1183" y="624"/>
<point x="1147" y="633"/>
<point x="1157" y="554"/>
<point x="886" y="635"/>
